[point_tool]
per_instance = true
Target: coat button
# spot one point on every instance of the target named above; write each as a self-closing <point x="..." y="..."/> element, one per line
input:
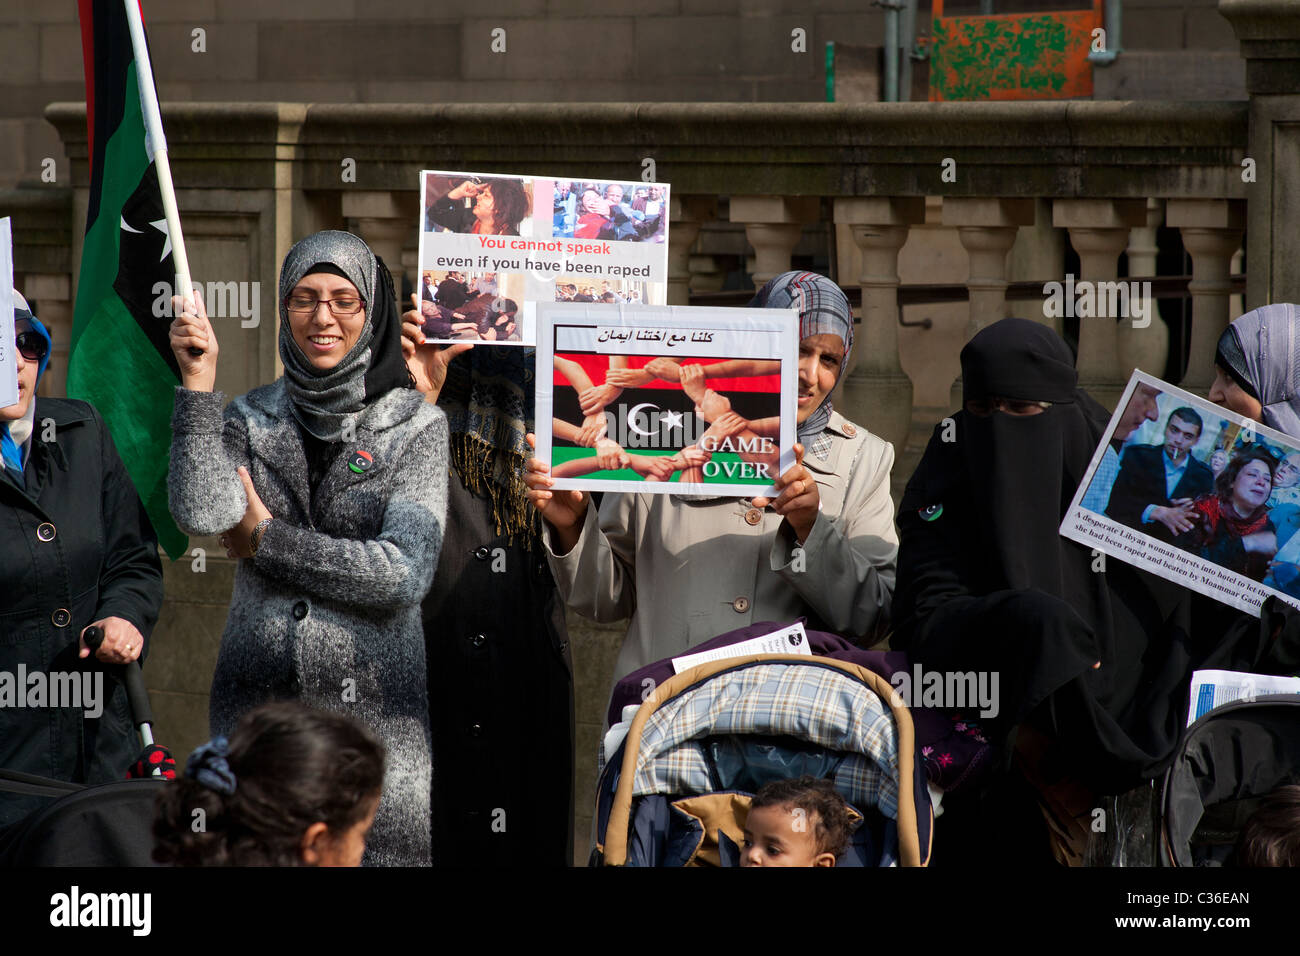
<point x="61" y="617"/>
<point x="482" y="554"/>
<point x="849" y="429"/>
<point x="475" y="730"/>
<point x="741" y="605"/>
<point x="45" y="531"/>
<point x="300" y="610"/>
<point x="478" y="640"/>
<point x="753" y="516"/>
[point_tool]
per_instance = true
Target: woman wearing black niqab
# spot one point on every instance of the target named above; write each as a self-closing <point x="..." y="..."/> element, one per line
<point x="987" y="583"/>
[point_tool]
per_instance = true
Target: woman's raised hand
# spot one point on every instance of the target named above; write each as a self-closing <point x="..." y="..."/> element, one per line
<point x="562" y="510"/>
<point x="427" y="363"/>
<point x="192" y="330"/>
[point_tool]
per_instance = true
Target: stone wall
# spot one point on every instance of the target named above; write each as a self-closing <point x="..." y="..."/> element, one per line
<point x="414" y="51"/>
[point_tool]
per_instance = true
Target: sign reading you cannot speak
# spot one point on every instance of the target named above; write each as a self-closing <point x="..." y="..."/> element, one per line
<point x="1196" y="494"/>
<point x="493" y="247"/>
<point x="670" y="400"/>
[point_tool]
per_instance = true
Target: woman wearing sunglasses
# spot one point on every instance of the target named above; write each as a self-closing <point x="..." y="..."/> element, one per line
<point x="75" y="549"/>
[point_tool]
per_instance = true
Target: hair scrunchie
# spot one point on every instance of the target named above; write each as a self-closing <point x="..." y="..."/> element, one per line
<point x="208" y="765"/>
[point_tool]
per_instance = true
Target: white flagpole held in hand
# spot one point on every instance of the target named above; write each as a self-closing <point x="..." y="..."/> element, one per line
<point x="156" y="147"/>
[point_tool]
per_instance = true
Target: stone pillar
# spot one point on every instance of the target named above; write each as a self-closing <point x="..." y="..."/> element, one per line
<point x="1145" y="348"/>
<point x="1211" y="230"/>
<point x="987" y="229"/>
<point x="686" y="215"/>
<point x="877" y="392"/>
<point x="1099" y="233"/>
<point x="1269" y="34"/>
<point x="773" y="225"/>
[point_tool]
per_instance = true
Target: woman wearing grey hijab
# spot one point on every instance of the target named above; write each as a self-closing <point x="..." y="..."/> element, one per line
<point x="1257" y="367"/>
<point x="329" y="485"/>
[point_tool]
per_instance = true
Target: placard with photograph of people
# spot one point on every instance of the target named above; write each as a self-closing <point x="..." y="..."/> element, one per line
<point x="535" y="239"/>
<point x="1196" y="494"/>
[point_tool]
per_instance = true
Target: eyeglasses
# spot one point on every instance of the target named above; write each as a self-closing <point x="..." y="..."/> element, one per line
<point x="31" y="345"/>
<point x="984" y="407"/>
<point x="308" y="304"/>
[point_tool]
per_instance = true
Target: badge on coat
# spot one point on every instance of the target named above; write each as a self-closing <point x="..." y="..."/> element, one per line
<point x="361" y="461"/>
<point x="930" y="512"/>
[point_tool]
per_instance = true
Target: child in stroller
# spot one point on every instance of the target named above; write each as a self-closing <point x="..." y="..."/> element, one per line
<point x="802" y="822"/>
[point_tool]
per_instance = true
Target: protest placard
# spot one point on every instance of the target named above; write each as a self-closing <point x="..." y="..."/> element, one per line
<point x="493" y="247"/>
<point x="1194" y="493"/>
<point x="674" y="399"/>
<point x="8" y="363"/>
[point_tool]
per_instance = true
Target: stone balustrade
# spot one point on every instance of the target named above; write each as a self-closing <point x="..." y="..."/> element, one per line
<point x="254" y="177"/>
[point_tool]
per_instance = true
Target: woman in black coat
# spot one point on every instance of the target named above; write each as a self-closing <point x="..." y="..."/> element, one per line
<point x="77" y="550"/>
<point x="500" y="669"/>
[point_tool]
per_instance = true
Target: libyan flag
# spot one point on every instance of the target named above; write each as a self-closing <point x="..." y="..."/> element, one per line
<point x="120" y="358"/>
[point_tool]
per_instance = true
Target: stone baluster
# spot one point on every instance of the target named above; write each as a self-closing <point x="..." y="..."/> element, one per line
<point x="1099" y="230"/>
<point x="1236" y="301"/>
<point x="877" y="392"/>
<point x="1212" y="231"/>
<point x="686" y="215"/>
<point x="773" y="225"/>
<point x="1147" y="347"/>
<point x="987" y="229"/>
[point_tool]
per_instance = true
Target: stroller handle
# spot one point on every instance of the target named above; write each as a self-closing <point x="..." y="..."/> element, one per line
<point x="136" y="694"/>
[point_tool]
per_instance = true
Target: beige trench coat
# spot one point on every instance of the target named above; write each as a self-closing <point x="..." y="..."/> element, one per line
<point x="686" y="570"/>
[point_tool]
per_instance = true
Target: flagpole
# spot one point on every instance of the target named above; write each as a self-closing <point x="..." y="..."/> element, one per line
<point x="156" y="147"/>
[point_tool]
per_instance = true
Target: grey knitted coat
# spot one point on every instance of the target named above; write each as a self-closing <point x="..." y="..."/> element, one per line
<point x="328" y="611"/>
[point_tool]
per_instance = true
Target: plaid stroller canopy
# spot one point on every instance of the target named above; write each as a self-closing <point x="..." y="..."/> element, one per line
<point x="816" y="704"/>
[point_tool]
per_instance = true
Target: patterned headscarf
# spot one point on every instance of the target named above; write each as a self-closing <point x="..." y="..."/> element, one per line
<point x="823" y="310"/>
<point x="1261" y="351"/>
<point x="325" y="401"/>
<point x="488" y="399"/>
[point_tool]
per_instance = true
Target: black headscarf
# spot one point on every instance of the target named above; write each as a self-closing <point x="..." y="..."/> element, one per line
<point x="986" y="582"/>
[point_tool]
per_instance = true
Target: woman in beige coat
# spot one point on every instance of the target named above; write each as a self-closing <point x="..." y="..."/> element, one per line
<point x="688" y="569"/>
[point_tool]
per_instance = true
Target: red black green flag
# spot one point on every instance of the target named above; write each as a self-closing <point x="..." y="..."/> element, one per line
<point x="120" y="359"/>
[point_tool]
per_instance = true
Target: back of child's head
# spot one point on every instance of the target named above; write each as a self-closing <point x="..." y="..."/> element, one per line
<point x="248" y="801"/>
<point x="813" y="796"/>
<point x="1271" y="837"/>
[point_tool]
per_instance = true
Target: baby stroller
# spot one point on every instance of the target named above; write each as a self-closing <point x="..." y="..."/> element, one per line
<point x="675" y="790"/>
<point x="1226" y="762"/>
<point x="108" y="824"/>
